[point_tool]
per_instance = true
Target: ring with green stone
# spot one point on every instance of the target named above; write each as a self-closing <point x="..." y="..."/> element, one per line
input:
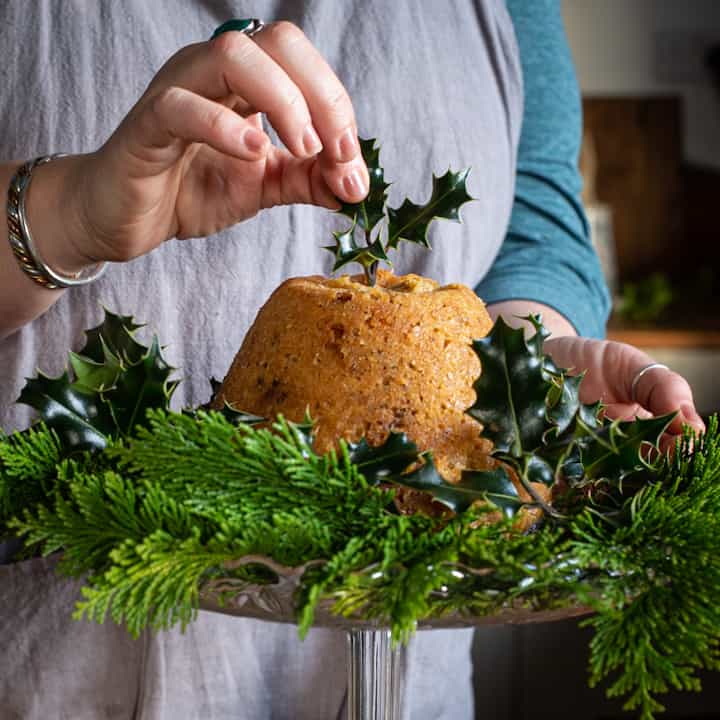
<point x="248" y="26"/>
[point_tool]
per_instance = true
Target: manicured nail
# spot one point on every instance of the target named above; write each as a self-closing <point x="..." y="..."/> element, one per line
<point x="354" y="183"/>
<point x="347" y="147"/>
<point x="254" y="140"/>
<point x="311" y="141"/>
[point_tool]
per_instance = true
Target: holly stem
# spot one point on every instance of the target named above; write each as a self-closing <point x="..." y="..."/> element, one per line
<point x="371" y="273"/>
<point x="370" y="270"/>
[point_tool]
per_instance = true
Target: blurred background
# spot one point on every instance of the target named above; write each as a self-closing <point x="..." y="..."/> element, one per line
<point x="649" y="72"/>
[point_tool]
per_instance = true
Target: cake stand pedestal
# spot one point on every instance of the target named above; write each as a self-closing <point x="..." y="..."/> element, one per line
<point x="376" y="673"/>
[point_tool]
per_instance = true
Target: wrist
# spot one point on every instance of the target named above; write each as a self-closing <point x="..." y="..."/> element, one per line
<point x="513" y="313"/>
<point x="54" y="216"/>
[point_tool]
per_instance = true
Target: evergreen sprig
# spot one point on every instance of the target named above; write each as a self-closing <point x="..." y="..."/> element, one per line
<point x="28" y="462"/>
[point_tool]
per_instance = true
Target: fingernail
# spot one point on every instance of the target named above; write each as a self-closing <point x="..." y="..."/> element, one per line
<point x="354" y="183"/>
<point x="311" y="141"/>
<point x="254" y="140"/>
<point x="691" y="416"/>
<point x="347" y="147"/>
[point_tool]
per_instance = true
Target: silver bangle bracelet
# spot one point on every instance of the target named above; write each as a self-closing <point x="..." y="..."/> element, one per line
<point x="21" y="240"/>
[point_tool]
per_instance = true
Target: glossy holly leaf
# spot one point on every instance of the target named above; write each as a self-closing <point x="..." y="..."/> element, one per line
<point x="228" y="410"/>
<point x="238" y="417"/>
<point x="91" y="375"/>
<point x="563" y="402"/>
<point x="370" y="211"/>
<point x="411" y="222"/>
<point x="571" y="467"/>
<point x="383" y="462"/>
<point x="347" y="251"/>
<point x="81" y="420"/>
<point x="617" y="449"/>
<point x="408" y="222"/>
<point x="140" y="387"/>
<point x="511" y="391"/>
<point x="494" y="486"/>
<point x="116" y="335"/>
<point x="539" y="469"/>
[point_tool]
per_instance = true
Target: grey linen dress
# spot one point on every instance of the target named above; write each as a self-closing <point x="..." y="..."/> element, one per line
<point x="439" y="84"/>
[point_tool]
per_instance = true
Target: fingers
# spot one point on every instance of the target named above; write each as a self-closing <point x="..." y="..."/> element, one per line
<point x="175" y="117"/>
<point x="281" y="74"/>
<point x="289" y="180"/>
<point x="663" y="391"/>
<point x="610" y="370"/>
<point x="626" y="411"/>
<point x="328" y="103"/>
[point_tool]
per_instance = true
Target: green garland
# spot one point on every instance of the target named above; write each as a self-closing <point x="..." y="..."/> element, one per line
<point x="150" y="512"/>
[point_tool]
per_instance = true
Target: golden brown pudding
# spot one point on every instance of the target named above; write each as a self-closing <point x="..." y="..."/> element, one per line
<point x="367" y="360"/>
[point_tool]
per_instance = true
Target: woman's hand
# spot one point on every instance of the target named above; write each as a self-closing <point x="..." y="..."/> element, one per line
<point x="611" y="368"/>
<point x="191" y="157"/>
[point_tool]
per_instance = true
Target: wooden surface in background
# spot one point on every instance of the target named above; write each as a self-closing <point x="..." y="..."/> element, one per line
<point x="649" y="338"/>
<point x="638" y="172"/>
<point x="702" y="208"/>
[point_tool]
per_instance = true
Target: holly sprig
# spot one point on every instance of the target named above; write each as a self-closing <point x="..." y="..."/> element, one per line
<point x="113" y="381"/>
<point x="382" y="228"/>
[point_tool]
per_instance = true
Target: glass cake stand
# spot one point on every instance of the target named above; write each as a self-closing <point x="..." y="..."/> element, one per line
<point x="375" y="668"/>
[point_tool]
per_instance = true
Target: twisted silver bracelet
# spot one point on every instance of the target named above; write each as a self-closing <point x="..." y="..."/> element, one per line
<point x="21" y="240"/>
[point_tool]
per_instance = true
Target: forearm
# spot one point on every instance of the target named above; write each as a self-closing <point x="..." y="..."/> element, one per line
<point x="52" y="221"/>
<point x="513" y="311"/>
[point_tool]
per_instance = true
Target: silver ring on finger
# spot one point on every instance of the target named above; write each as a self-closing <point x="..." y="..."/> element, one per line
<point x="640" y="373"/>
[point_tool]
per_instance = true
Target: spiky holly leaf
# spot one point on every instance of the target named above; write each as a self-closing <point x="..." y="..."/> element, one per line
<point x="389" y="463"/>
<point x="408" y="222"/>
<point x="117" y="379"/>
<point x="347" y="251"/>
<point x="141" y="386"/>
<point x="238" y="417"/>
<point x="496" y="487"/>
<point x="115" y="335"/>
<point x="532" y="411"/>
<point x="370" y="211"/>
<point x="563" y="403"/>
<point x="411" y="222"/>
<point x="92" y="375"/>
<point x="511" y="391"/>
<point x="383" y="462"/>
<point x="81" y="419"/>
<point x="228" y="410"/>
<point x="616" y="449"/>
<point x="474" y="486"/>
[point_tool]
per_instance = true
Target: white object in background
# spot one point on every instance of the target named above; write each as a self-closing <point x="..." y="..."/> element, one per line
<point x="601" y="233"/>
